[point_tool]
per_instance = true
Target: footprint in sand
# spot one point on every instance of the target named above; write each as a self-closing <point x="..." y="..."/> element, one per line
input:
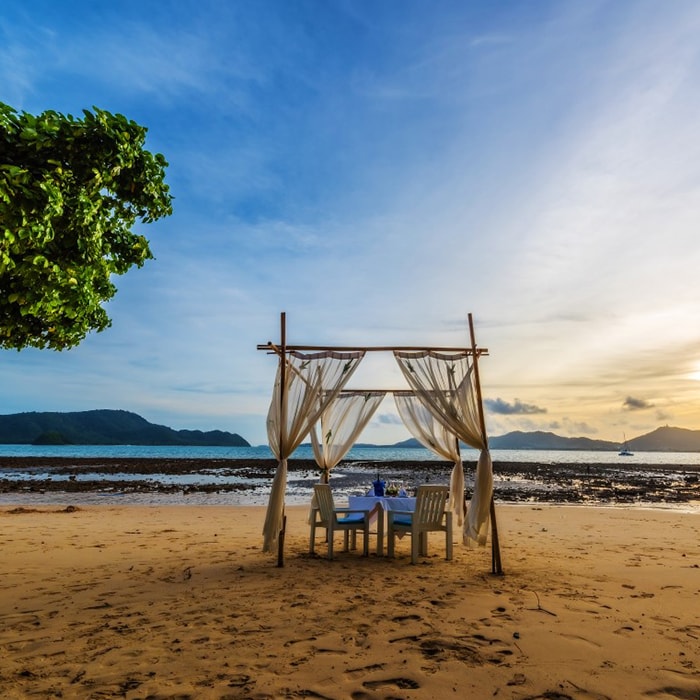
<point x="405" y="618"/>
<point x="400" y="683"/>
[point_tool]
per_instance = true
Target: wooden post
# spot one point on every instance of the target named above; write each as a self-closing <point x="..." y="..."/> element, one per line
<point x="464" y="496"/>
<point x="496" y="567"/>
<point x="283" y="423"/>
<point x="280" y="542"/>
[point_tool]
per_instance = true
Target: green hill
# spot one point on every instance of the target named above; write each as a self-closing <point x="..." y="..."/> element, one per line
<point x="103" y="427"/>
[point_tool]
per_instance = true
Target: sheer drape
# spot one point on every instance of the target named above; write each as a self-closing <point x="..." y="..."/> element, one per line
<point x="445" y="385"/>
<point x="311" y="382"/>
<point x="432" y="433"/>
<point x="341" y="423"/>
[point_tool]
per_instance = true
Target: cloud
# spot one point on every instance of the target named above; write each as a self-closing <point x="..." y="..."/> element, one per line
<point x="633" y="404"/>
<point x="389" y="419"/>
<point x="516" y="408"/>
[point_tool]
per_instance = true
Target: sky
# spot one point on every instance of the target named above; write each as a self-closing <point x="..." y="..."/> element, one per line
<point x="378" y="171"/>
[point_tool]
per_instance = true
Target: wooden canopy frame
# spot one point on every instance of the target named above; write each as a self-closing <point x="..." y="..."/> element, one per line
<point x="474" y="351"/>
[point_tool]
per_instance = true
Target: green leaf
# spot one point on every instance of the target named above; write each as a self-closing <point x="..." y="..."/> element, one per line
<point x="71" y="191"/>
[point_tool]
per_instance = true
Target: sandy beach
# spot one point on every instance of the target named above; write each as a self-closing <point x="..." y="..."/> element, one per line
<point x="181" y="602"/>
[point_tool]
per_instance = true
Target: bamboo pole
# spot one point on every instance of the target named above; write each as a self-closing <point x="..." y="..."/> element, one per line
<point x="283" y="423"/>
<point x="496" y="567"/>
<point x="371" y="348"/>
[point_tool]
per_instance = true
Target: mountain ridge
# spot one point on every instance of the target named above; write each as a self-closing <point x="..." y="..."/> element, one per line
<point x="663" y="439"/>
<point x="104" y="427"/>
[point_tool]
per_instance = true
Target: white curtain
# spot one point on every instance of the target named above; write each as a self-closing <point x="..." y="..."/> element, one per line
<point x="340" y="425"/>
<point x="433" y="434"/>
<point x="311" y="382"/>
<point x="445" y="385"/>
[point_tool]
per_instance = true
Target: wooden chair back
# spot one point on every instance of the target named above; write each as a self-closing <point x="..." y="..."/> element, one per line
<point x="430" y="507"/>
<point x="324" y="502"/>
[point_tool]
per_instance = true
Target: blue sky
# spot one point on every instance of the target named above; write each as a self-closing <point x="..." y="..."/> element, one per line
<point x="378" y="170"/>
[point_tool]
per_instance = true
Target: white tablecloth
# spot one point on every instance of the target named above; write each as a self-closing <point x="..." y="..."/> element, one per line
<point x="386" y="502"/>
<point x="378" y="506"/>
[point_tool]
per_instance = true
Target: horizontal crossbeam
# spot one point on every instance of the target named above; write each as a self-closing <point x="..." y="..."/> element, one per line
<point x="271" y="347"/>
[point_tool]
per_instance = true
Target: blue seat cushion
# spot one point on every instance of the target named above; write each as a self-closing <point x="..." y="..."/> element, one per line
<point x="402" y="520"/>
<point x="352" y="518"/>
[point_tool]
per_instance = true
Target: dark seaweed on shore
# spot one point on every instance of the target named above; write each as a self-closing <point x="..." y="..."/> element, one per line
<point x="514" y="481"/>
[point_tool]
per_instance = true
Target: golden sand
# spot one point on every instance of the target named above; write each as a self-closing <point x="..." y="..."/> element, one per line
<point x="181" y="602"/>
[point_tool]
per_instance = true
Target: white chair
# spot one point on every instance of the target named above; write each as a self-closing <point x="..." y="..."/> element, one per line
<point x="430" y="515"/>
<point x="351" y="521"/>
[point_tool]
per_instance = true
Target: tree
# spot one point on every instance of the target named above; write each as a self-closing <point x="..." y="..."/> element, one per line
<point x="71" y="190"/>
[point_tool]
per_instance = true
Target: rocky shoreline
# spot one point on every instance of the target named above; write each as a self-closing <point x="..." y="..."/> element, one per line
<point x="593" y="483"/>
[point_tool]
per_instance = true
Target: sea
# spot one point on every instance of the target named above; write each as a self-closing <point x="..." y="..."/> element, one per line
<point x="369" y="453"/>
<point x="356" y="471"/>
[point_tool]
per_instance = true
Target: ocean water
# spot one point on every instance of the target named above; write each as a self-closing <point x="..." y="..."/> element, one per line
<point x="369" y="454"/>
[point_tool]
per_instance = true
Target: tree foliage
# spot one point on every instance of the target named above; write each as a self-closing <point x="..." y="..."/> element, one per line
<point x="71" y="191"/>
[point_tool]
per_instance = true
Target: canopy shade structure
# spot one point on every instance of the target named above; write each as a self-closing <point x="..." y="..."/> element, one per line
<point x="445" y="407"/>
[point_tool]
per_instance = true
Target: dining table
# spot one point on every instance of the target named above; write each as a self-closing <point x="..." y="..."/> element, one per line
<point x="378" y="506"/>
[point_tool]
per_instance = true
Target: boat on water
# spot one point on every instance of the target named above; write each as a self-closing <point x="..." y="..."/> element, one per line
<point x="625" y="449"/>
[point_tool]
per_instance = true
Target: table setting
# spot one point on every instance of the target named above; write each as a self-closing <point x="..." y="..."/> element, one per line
<point x="379" y="499"/>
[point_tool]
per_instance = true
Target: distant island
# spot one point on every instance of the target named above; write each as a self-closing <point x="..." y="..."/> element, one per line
<point x="104" y="427"/>
<point x="115" y="427"/>
<point x="665" y="439"/>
